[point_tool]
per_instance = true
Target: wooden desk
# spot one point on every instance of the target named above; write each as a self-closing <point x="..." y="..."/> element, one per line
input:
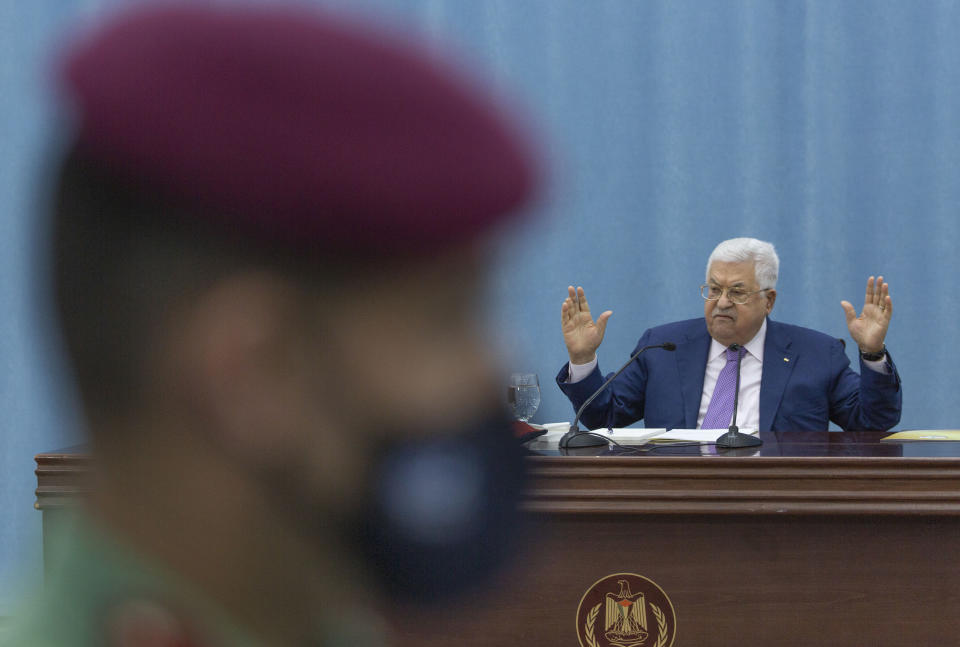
<point x="819" y="539"/>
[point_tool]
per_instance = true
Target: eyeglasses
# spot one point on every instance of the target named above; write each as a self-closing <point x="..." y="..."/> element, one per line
<point x="738" y="296"/>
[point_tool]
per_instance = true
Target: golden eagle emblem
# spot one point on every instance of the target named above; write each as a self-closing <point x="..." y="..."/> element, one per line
<point x="626" y="618"/>
<point x="612" y="615"/>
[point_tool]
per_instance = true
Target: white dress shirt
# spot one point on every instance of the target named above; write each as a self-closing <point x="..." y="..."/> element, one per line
<point x="751" y="374"/>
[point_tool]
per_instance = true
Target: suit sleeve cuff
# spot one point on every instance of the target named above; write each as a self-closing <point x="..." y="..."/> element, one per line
<point x="577" y="372"/>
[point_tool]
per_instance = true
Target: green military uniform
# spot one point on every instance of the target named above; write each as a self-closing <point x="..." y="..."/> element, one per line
<point x="101" y="593"/>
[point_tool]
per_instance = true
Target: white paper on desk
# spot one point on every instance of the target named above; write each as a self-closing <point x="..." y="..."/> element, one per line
<point x="629" y="436"/>
<point x="623" y="436"/>
<point x="695" y="435"/>
<point x="639" y="436"/>
<point x="555" y="428"/>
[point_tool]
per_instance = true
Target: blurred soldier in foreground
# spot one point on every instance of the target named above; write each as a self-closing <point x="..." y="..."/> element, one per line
<point x="269" y="232"/>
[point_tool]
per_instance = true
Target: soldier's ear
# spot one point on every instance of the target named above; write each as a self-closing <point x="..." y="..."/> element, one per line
<point x="234" y="350"/>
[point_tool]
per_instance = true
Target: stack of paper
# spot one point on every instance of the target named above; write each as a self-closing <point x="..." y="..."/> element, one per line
<point x="627" y="436"/>
<point x="639" y="436"/>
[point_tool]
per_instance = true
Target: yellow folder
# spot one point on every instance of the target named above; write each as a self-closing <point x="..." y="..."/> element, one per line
<point x="924" y="435"/>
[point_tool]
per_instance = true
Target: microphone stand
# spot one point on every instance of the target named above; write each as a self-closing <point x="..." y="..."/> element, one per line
<point x="574" y="437"/>
<point x="734" y="438"/>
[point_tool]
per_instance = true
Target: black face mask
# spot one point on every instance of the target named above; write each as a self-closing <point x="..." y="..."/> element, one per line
<point x="442" y="513"/>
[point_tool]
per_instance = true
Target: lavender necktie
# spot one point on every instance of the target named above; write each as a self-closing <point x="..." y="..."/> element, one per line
<point x="720" y="411"/>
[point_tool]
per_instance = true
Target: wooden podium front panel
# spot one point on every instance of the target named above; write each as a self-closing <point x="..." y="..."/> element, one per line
<point x="820" y="539"/>
<point x="734" y="580"/>
<point x="817" y="539"/>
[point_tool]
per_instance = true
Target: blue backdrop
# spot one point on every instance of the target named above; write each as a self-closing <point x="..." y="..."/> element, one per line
<point x="829" y="128"/>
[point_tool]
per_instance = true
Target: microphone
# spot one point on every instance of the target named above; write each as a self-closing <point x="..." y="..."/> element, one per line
<point x="576" y="438"/>
<point x="733" y="438"/>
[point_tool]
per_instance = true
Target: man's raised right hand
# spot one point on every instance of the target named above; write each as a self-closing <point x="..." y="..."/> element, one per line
<point x="581" y="333"/>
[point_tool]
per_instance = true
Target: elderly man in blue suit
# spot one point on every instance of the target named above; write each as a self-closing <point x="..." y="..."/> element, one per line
<point x="792" y="378"/>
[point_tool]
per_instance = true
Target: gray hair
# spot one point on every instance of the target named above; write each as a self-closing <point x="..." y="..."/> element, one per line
<point x="739" y="250"/>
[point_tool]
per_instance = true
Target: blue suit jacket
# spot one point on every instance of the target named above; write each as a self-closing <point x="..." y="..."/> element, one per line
<point x="815" y="386"/>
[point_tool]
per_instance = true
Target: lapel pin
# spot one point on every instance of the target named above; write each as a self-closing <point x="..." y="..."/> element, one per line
<point x="786" y="359"/>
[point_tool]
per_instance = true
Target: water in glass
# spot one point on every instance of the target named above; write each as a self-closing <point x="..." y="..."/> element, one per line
<point x="523" y="395"/>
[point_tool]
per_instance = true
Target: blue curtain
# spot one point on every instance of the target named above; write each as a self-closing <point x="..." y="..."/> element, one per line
<point x="830" y="128"/>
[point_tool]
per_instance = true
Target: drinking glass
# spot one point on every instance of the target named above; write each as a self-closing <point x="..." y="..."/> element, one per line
<point x="523" y="395"/>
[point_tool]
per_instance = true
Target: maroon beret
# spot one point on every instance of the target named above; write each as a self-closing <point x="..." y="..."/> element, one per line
<point x="297" y="126"/>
